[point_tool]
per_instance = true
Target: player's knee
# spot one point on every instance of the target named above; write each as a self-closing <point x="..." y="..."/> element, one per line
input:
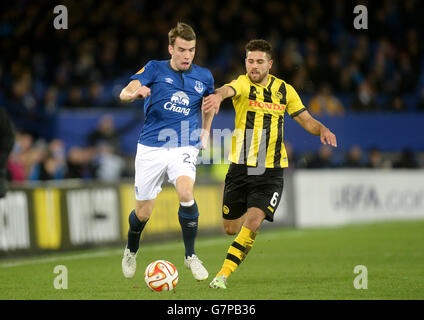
<point x="142" y="217"/>
<point x="185" y="195"/>
<point x="231" y="230"/>
<point x="143" y="214"/>
<point x="254" y="220"/>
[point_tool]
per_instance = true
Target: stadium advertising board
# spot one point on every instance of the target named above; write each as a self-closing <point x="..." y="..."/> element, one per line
<point x="76" y="215"/>
<point x="339" y="197"/>
<point x="14" y="225"/>
<point x="92" y="215"/>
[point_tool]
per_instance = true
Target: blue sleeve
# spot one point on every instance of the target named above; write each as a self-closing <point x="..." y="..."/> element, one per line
<point x="146" y="74"/>
<point x="210" y="82"/>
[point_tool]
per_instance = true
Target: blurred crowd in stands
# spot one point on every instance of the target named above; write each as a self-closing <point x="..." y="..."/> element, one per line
<point x="316" y="49"/>
<point x="328" y="158"/>
<point x="38" y="160"/>
<point x="335" y="68"/>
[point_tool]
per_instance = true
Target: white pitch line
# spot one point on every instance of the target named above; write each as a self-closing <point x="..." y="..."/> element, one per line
<point x="87" y="255"/>
<point x="106" y="252"/>
<point x="96" y="254"/>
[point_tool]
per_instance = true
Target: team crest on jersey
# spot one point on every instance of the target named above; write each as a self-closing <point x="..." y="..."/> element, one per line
<point x="198" y="86"/>
<point x="279" y="95"/>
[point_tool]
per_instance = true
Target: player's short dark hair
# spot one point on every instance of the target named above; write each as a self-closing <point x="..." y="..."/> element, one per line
<point x="260" y="45"/>
<point x="183" y="31"/>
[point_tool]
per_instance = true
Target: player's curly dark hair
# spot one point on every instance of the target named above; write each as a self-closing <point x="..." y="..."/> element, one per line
<point x="260" y="45"/>
<point x="183" y="31"/>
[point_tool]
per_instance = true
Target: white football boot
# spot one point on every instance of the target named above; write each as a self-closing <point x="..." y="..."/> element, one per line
<point x="196" y="266"/>
<point x="129" y="263"/>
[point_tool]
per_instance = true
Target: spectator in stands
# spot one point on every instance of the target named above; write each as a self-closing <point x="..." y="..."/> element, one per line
<point x="109" y="166"/>
<point x="7" y="140"/>
<point x="406" y="160"/>
<point x="323" y="159"/>
<point x="354" y="158"/>
<point x="52" y="165"/>
<point x="80" y="163"/>
<point x="397" y="104"/>
<point x="409" y="76"/>
<point x="36" y="156"/>
<point x="19" y="160"/>
<point x="332" y="74"/>
<point x="57" y="150"/>
<point x="51" y="99"/>
<point x="325" y="103"/>
<point x="47" y="169"/>
<point x="375" y="159"/>
<point x="106" y="132"/>
<point x="95" y="95"/>
<point x="364" y="100"/>
<point x="75" y="98"/>
<point x="420" y="102"/>
<point x="23" y="100"/>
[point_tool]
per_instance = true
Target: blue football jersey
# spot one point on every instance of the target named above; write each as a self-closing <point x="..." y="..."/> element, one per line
<point x="172" y="111"/>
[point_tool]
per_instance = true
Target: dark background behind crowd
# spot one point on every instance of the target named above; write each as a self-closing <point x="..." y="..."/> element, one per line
<point x="336" y="69"/>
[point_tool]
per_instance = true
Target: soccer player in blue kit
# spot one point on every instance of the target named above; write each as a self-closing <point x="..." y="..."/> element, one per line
<point x="170" y="140"/>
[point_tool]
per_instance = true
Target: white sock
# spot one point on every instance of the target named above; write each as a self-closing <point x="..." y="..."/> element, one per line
<point x="187" y="204"/>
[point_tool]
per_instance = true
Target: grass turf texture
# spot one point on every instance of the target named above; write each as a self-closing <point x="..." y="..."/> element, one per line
<point x="283" y="264"/>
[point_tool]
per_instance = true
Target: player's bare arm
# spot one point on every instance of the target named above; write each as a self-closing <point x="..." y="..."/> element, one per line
<point x="207" y="117"/>
<point x="134" y="90"/>
<point x="213" y="101"/>
<point x="316" y="128"/>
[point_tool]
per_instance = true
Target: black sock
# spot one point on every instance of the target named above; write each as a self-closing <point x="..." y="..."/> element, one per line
<point x="189" y="217"/>
<point x="134" y="232"/>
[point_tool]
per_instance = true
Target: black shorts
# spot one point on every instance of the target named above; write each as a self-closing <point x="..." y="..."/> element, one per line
<point x="243" y="191"/>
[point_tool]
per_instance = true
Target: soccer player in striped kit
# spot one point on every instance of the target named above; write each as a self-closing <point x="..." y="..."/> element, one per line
<point x="254" y="182"/>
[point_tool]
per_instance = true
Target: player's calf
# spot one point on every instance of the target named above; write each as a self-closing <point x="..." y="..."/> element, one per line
<point x="232" y="227"/>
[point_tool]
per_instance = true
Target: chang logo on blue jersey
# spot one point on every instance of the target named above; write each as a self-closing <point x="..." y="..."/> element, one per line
<point x="181" y="98"/>
<point x="178" y="99"/>
<point x="174" y="105"/>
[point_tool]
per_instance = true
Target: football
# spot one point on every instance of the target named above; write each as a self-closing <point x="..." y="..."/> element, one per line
<point x="161" y="275"/>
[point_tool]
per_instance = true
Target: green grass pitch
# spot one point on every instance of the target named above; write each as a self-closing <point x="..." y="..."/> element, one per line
<point x="284" y="264"/>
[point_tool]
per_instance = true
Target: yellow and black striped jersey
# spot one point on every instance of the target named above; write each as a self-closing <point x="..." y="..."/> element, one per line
<point x="258" y="133"/>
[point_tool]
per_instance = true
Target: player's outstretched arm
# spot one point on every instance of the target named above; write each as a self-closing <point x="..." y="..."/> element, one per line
<point x="134" y="90"/>
<point x="207" y="117"/>
<point x="213" y="101"/>
<point x="316" y="128"/>
<point x="206" y="128"/>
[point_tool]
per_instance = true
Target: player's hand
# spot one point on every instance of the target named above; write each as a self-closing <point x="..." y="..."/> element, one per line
<point x="327" y="137"/>
<point x="204" y="139"/>
<point x="212" y="103"/>
<point x="143" y="92"/>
